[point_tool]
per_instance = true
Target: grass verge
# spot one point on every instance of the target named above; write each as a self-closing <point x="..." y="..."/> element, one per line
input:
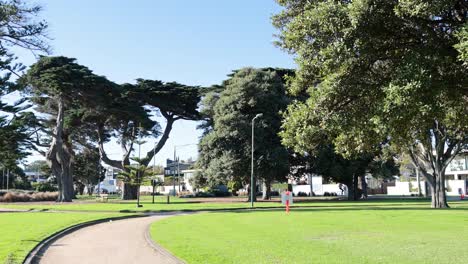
<point x="21" y="232"/>
<point x="191" y="205"/>
<point x="367" y="234"/>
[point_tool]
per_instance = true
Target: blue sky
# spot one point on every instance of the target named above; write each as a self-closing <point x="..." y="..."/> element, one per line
<point x="191" y="42"/>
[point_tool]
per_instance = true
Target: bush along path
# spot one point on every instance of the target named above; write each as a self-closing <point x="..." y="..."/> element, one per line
<point x="122" y="241"/>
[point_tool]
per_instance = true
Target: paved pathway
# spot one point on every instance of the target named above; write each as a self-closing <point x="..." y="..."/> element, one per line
<point x="121" y="241"/>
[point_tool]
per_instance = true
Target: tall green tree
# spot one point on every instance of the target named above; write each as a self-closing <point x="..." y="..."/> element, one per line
<point x="127" y="116"/>
<point x="226" y="149"/>
<point x="87" y="170"/>
<point x="62" y="89"/>
<point x="378" y="71"/>
<point x="20" y="29"/>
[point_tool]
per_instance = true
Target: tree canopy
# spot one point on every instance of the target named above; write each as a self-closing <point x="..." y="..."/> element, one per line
<point x="225" y="149"/>
<point x="63" y="90"/>
<point x="377" y="73"/>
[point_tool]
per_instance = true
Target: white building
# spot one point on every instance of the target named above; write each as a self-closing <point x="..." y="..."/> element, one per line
<point x="458" y="168"/>
<point x="109" y="184"/>
<point x="315" y="184"/>
<point x="183" y="185"/>
<point x="456" y="180"/>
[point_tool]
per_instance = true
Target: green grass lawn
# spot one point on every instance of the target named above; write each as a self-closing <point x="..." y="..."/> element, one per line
<point x="20" y="232"/>
<point x="116" y="205"/>
<point x="405" y="233"/>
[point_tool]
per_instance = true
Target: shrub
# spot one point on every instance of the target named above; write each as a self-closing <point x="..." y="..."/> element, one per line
<point x="11" y="197"/>
<point x="220" y="191"/>
<point x="274" y="193"/>
<point x="302" y="194"/>
<point x="204" y="194"/>
<point x="44" y="196"/>
<point x="22" y="184"/>
<point x="44" y="187"/>
<point x="15" y="197"/>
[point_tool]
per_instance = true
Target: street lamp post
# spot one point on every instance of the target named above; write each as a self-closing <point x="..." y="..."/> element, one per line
<point x="178" y="166"/>
<point x="252" y="180"/>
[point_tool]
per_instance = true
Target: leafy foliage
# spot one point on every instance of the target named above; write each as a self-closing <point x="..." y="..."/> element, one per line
<point x="379" y="72"/>
<point x="19" y="28"/>
<point x="87" y="169"/>
<point x="136" y="174"/>
<point x="225" y="150"/>
<point x="65" y="91"/>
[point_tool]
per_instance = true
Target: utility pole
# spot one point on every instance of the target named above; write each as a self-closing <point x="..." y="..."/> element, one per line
<point x="252" y="178"/>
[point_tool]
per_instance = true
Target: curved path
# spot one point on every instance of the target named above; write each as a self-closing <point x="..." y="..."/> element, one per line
<point x="122" y="241"/>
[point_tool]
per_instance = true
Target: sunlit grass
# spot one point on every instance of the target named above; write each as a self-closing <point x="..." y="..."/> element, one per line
<point x="20" y="232"/>
<point x="354" y="234"/>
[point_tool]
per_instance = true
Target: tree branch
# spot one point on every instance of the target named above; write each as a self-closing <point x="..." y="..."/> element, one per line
<point x="114" y="163"/>
<point x="167" y="130"/>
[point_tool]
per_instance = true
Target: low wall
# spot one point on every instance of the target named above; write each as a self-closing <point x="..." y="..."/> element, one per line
<point x="408" y="188"/>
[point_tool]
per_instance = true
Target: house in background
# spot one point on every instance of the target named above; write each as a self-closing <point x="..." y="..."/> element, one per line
<point x="458" y="168"/>
<point x="176" y="178"/>
<point x="36" y="176"/>
<point x="314" y="183"/>
<point x="456" y="180"/>
<point x="110" y="183"/>
<point x="175" y="167"/>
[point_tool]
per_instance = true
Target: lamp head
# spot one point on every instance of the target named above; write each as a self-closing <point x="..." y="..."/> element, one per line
<point x="258" y="115"/>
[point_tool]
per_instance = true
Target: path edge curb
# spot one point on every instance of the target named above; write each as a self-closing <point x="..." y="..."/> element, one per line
<point x="158" y="248"/>
<point x="33" y="255"/>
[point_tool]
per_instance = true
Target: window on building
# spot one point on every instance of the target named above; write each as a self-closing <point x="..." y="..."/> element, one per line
<point x="458" y="164"/>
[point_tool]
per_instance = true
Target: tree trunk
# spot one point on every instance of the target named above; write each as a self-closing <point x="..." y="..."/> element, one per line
<point x="90" y="189"/>
<point x="431" y="157"/>
<point x="67" y="193"/>
<point x="80" y="188"/>
<point x="356" y="194"/>
<point x="418" y="179"/>
<point x="438" y="195"/>
<point x="129" y="192"/>
<point x="249" y="191"/>
<point x="266" y="190"/>
<point x="59" y="157"/>
<point x="350" y="189"/>
<point x="311" y="185"/>
<point x="364" y="186"/>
